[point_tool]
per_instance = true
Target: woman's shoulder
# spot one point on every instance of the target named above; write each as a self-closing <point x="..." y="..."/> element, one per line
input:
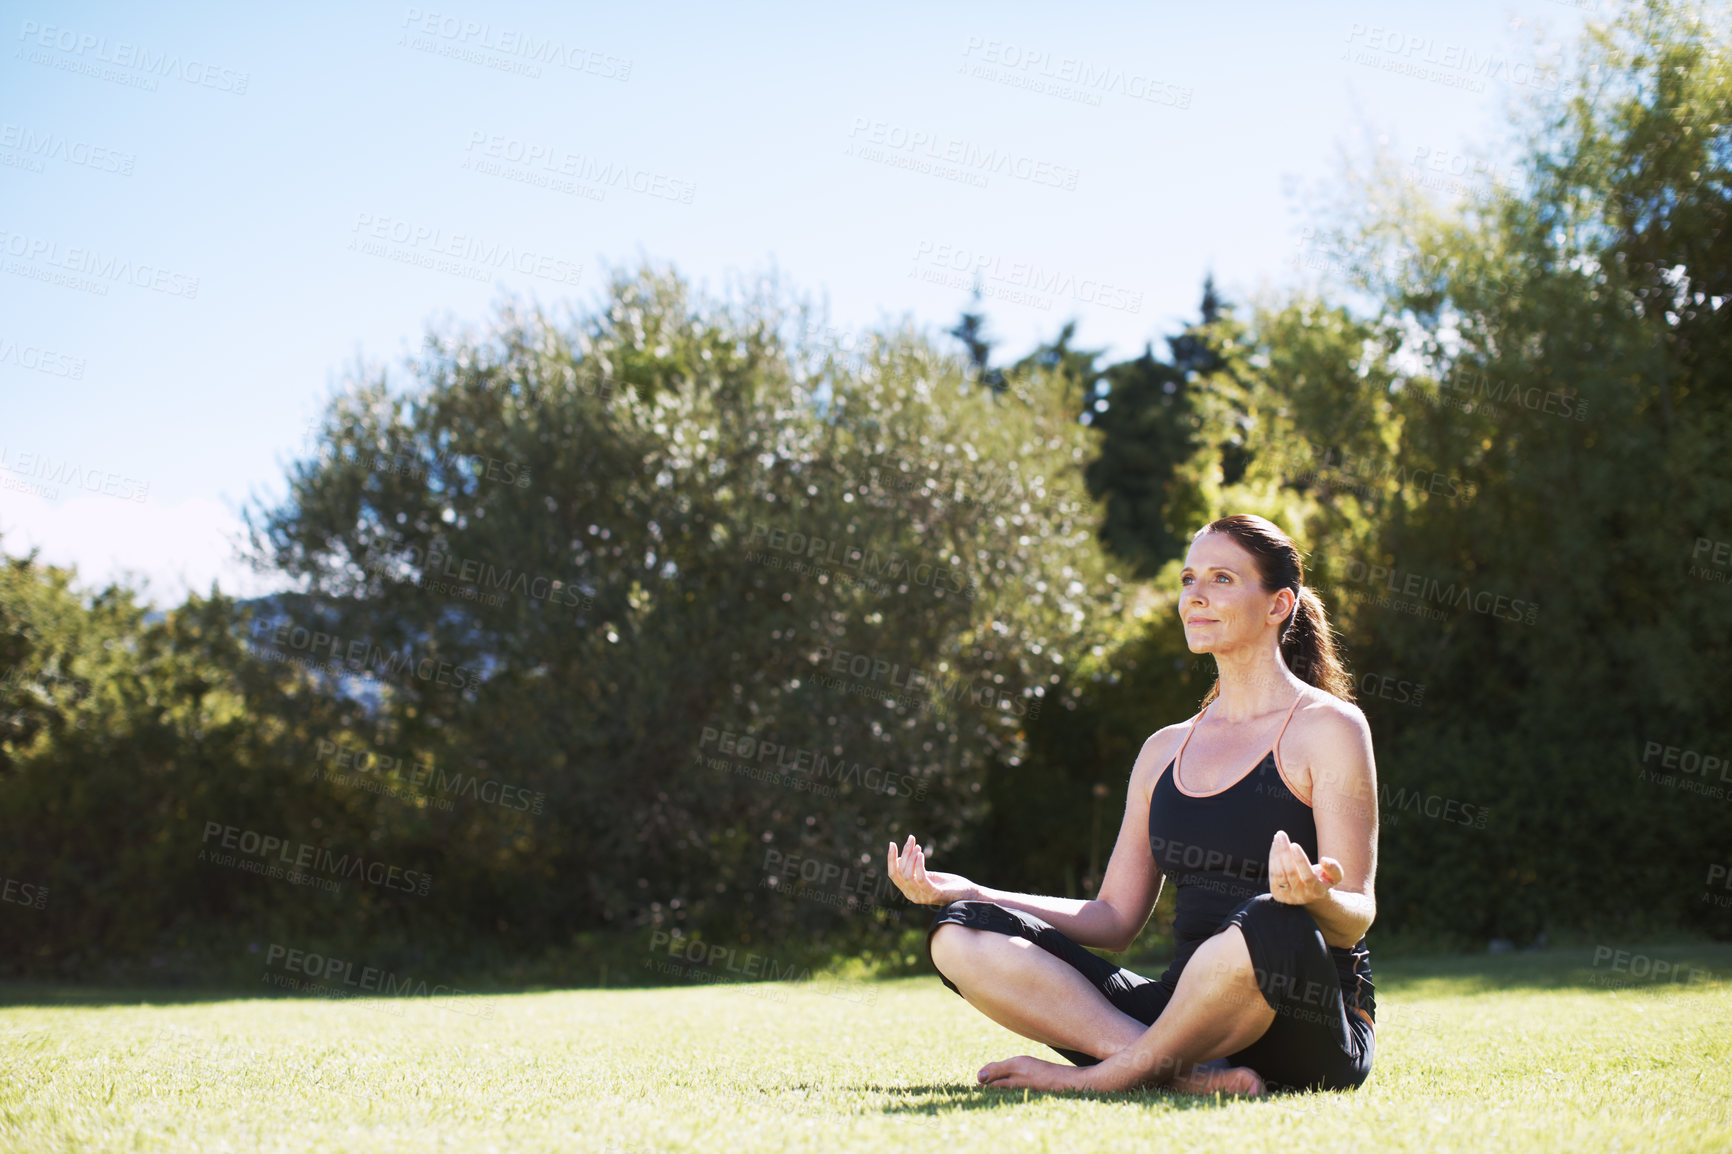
<point x="1159" y="750"/>
<point x="1325" y="732"/>
<point x="1328" y="717"/>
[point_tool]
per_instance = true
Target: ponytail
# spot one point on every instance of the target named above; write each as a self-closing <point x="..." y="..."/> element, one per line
<point x="1308" y="647"/>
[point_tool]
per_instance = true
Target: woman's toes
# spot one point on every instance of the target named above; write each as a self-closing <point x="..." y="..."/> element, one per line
<point x="1215" y="1079"/>
<point x="1240" y="1080"/>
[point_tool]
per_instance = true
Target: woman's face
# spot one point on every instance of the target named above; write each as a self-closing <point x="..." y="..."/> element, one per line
<point x="1221" y="601"/>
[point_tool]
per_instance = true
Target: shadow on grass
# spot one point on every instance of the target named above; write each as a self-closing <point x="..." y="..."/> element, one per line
<point x="953" y="1098"/>
<point x="49" y="995"/>
<point x="1613" y="965"/>
<point x="1626" y="966"/>
<point x="1617" y="963"/>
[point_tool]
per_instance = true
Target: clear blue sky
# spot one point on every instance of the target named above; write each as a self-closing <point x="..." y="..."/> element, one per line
<point x="304" y="164"/>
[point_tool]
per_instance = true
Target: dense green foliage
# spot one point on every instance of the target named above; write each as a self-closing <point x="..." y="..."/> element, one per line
<point x="666" y="616"/>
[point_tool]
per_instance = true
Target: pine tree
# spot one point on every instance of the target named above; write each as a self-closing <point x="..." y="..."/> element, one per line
<point x="1143" y="407"/>
<point x="971" y="331"/>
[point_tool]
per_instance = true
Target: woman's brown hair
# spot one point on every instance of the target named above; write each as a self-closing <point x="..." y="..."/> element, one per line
<point x="1307" y="643"/>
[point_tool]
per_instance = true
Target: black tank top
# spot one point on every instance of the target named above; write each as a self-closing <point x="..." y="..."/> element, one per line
<point x="1215" y="848"/>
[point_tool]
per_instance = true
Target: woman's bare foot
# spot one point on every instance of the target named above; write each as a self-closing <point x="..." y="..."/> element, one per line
<point x="1218" y="1077"/>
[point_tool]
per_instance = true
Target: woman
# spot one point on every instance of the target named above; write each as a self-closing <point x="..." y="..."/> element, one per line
<point x="1271" y="985"/>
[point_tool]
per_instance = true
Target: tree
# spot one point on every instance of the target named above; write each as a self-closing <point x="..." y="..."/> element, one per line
<point x="122" y="739"/>
<point x="650" y="549"/>
<point x="1508" y="472"/>
<point x="1143" y="409"/>
<point x="971" y="331"/>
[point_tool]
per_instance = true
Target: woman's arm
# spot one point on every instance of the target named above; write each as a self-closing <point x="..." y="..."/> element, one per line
<point x="1339" y="891"/>
<point x="1110" y="921"/>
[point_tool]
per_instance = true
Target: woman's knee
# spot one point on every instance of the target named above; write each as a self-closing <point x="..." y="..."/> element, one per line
<point x="1226" y="954"/>
<point x="950" y="945"/>
<point x="960" y="941"/>
<point x="1264" y="910"/>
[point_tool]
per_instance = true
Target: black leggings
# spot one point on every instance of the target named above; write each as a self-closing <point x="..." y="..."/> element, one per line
<point x="1314" y="1043"/>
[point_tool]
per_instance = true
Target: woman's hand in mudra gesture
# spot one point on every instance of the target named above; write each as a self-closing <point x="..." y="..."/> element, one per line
<point x="1293" y="880"/>
<point x="908" y="871"/>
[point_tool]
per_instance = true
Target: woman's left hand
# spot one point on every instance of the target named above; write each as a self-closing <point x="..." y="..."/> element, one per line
<point x="1293" y="880"/>
<point x="1025" y="1073"/>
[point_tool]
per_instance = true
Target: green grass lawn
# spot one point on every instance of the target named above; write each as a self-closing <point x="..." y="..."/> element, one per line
<point x="1517" y="1052"/>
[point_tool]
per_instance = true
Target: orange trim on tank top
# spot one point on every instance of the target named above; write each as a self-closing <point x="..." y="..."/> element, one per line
<point x="1275" y="749"/>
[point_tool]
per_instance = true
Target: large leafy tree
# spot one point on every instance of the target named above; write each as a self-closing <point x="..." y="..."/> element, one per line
<point x="870" y="559"/>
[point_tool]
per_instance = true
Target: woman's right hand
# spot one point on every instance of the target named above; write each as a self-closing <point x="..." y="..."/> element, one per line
<point x="908" y="870"/>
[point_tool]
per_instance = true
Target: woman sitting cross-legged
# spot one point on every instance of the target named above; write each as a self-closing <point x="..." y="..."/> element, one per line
<point x="1270" y="986"/>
